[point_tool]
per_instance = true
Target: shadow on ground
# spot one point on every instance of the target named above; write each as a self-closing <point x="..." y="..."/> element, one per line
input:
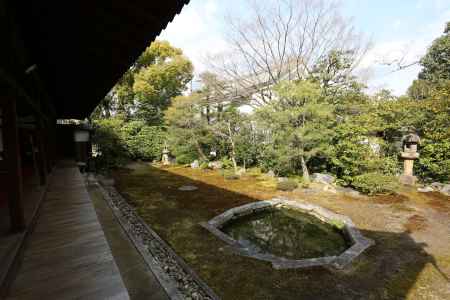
<point x="388" y="270"/>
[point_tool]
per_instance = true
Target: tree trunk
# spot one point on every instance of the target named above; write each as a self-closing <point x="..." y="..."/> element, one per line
<point x="200" y="151"/>
<point x="305" y="170"/>
<point x="233" y="152"/>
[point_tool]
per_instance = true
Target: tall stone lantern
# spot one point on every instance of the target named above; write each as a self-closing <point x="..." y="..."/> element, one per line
<point x="165" y="156"/>
<point x="409" y="155"/>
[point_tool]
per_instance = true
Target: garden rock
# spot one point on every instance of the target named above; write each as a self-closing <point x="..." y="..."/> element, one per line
<point x="195" y="164"/>
<point x="215" y="165"/>
<point x="281" y="179"/>
<point x="425" y="189"/>
<point x="185" y="188"/>
<point x="446" y="189"/>
<point x="241" y="171"/>
<point x="271" y="173"/>
<point x="322" y="178"/>
<point x="348" y="191"/>
<point x="329" y="188"/>
<point x="437" y="185"/>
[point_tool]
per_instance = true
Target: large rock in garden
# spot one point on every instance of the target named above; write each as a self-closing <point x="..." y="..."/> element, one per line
<point x="425" y="189"/>
<point x="437" y="185"/>
<point x="349" y="191"/>
<point x="271" y="173"/>
<point x="329" y="188"/>
<point x="241" y="171"/>
<point x="195" y="164"/>
<point x="215" y="165"/>
<point x="322" y="178"/>
<point x="446" y="189"/>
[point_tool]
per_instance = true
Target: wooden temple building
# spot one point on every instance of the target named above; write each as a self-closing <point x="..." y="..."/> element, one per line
<point x="58" y="60"/>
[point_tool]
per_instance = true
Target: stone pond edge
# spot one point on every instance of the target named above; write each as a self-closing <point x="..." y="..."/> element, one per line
<point x="360" y="243"/>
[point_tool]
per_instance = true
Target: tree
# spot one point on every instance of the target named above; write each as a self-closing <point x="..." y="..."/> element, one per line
<point x="420" y="89"/>
<point x="229" y="128"/>
<point x="162" y="73"/>
<point x="298" y="125"/>
<point x="145" y="90"/>
<point x="436" y="62"/>
<point x="187" y="127"/>
<point x="284" y="40"/>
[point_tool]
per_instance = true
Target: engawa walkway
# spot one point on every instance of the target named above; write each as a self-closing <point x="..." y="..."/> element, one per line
<point x="67" y="255"/>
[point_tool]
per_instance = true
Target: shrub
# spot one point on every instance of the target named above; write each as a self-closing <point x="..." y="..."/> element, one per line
<point x="113" y="151"/>
<point x="185" y="158"/>
<point x="119" y="141"/>
<point x="143" y="141"/>
<point x="288" y="185"/>
<point x="375" y="183"/>
<point x="204" y="165"/>
<point x="226" y="163"/>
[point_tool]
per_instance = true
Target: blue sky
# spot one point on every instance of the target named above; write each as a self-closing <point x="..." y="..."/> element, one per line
<point x="396" y="28"/>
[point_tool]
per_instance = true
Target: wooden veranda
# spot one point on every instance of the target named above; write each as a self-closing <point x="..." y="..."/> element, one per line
<point x="58" y="61"/>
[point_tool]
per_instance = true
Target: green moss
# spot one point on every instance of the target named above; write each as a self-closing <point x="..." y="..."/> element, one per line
<point x="288" y="185"/>
<point x="380" y="273"/>
<point x="338" y="224"/>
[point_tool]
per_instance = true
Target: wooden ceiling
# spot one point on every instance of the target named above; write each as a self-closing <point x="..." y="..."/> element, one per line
<point x="81" y="48"/>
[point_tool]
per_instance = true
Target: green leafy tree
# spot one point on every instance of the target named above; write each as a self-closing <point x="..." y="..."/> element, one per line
<point x="298" y="126"/>
<point x="434" y="160"/>
<point x="188" y="130"/>
<point x="162" y="73"/>
<point x="419" y="89"/>
<point x="145" y="90"/>
<point x="436" y="62"/>
<point x="230" y="129"/>
<point x="334" y="72"/>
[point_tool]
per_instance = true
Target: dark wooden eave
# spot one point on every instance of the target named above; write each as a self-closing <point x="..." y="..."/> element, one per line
<point x="81" y="48"/>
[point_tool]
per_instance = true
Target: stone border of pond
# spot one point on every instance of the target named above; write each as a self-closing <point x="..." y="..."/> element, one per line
<point x="359" y="242"/>
<point x="175" y="276"/>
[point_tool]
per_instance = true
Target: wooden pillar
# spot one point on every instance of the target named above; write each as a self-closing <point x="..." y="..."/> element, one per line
<point x="34" y="154"/>
<point x="41" y="157"/>
<point x="49" y="141"/>
<point x="13" y="162"/>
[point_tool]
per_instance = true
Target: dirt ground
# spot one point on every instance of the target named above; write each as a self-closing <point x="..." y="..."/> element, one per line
<point x="411" y="258"/>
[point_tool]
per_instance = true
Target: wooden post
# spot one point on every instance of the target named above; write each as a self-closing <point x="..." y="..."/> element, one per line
<point x="41" y="158"/>
<point x="49" y="144"/>
<point x="13" y="162"/>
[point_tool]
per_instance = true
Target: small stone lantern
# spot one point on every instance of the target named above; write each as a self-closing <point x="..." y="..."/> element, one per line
<point x="409" y="154"/>
<point x="165" y="156"/>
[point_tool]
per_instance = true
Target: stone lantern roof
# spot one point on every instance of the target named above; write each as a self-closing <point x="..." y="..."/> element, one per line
<point x="411" y="138"/>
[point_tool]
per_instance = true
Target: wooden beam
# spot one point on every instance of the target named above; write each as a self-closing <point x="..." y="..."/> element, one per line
<point x="13" y="162"/>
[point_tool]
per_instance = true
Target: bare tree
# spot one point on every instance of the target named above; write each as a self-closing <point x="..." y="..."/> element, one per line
<point x="283" y="40"/>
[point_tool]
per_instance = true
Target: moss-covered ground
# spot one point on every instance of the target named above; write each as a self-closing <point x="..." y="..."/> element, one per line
<point x="411" y="258"/>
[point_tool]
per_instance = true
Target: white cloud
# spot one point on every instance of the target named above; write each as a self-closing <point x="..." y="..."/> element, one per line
<point x="408" y="49"/>
<point x="196" y="31"/>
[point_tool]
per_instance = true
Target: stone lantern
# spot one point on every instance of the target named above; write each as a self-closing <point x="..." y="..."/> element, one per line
<point x="165" y="156"/>
<point x="409" y="155"/>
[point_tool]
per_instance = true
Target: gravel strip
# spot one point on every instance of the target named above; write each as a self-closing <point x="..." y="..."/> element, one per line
<point x="179" y="281"/>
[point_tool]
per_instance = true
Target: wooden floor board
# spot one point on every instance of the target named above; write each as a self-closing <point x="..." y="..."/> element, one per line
<point x="67" y="255"/>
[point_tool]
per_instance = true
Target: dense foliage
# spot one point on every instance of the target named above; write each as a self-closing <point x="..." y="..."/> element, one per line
<point x="120" y="141"/>
<point x="323" y="122"/>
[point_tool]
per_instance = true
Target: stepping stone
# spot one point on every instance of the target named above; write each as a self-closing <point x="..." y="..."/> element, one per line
<point x="188" y="188"/>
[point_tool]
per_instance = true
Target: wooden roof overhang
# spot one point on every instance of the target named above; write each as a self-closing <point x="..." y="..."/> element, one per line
<point x="77" y="50"/>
